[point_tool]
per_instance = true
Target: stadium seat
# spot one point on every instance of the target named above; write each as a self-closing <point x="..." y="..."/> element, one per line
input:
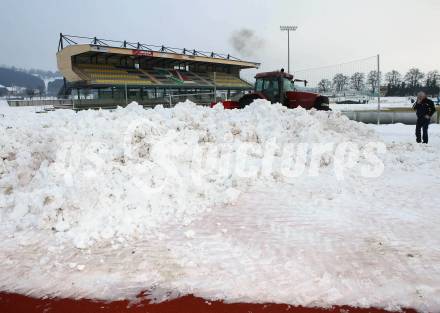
<point x="119" y="75"/>
<point x="227" y="80"/>
<point x="111" y="74"/>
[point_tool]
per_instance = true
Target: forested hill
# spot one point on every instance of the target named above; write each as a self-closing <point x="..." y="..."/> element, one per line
<point x="12" y="77"/>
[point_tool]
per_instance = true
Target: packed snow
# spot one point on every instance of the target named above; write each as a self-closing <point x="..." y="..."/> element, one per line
<point x="216" y="203"/>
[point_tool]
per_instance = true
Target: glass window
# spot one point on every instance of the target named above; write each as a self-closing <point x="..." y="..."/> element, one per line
<point x="273" y="87"/>
<point x="269" y="86"/>
<point x="288" y="85"/>
<point x="259" y="84"/>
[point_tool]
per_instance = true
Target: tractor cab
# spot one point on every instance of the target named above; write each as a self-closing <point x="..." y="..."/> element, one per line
<point x="270" y="87"/>
<point x="280" y="87"/>
<point x="274" y="85"/>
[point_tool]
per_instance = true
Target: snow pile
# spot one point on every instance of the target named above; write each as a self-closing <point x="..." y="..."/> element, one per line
<point x="193" y="200"/>
<point x="100" y="175"/>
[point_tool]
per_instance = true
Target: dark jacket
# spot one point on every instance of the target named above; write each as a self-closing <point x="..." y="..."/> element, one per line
<point x="426" y="107"/>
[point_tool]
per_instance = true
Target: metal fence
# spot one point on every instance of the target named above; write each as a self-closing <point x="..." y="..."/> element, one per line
<point x="351" y="82"/>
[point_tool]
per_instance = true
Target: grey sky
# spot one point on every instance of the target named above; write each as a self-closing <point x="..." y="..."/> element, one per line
<point x="404" y="32"/>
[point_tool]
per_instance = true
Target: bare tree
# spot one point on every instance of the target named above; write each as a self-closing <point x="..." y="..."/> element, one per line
<point x="340" y="82"/>
<point x="357" y="81"/>
<point x="30" y="92"/>
<point x="324" y="85"/>
<point x="414" y="77"/>
<point x="432" y="79"/>
<point x="372" y="80"/>
<point x="3" y="91"/>
<point x="393" y="78"/>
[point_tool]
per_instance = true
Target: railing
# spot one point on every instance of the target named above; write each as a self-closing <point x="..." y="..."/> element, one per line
<point x="204" y="98"/>
<point x="40" y="102"/>
<point x="80" y="104"/>
<point x="66" y="40"/>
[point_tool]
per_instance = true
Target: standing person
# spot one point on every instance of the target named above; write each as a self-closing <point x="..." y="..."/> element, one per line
<point x="424" y="108"/>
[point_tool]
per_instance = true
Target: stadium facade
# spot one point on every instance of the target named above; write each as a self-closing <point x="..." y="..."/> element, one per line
<point x="108" y="72"/>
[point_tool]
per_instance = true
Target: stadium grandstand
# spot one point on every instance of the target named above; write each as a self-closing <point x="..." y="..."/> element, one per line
<point x="106" y="73"/>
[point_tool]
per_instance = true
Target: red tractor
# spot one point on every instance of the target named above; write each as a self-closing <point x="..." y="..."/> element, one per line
<point x="279" y="86"/>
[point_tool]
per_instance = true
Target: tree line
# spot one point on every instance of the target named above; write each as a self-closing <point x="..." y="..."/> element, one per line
<point x="412" y="82"/>
<point x="396" y="84"/>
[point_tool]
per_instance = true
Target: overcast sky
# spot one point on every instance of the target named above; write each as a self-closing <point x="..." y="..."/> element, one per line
<point x="404" y="32"/>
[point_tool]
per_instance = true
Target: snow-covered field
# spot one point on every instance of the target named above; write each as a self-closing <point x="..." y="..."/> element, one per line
<point x="385" y="103"/>
<point x="219" y="204"/>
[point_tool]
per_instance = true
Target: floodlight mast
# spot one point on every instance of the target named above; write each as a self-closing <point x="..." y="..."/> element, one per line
<point x="288" y="28"/>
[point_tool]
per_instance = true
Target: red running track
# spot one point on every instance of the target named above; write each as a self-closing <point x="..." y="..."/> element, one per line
<point x="15" y="303"/>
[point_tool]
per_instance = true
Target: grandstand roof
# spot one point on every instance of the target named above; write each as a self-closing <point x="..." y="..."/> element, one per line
<point x="275" y="74"/>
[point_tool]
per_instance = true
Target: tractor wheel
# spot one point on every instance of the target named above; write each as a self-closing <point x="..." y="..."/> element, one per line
<point x="246" y="100"/>
<point x="322" y="103"/>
